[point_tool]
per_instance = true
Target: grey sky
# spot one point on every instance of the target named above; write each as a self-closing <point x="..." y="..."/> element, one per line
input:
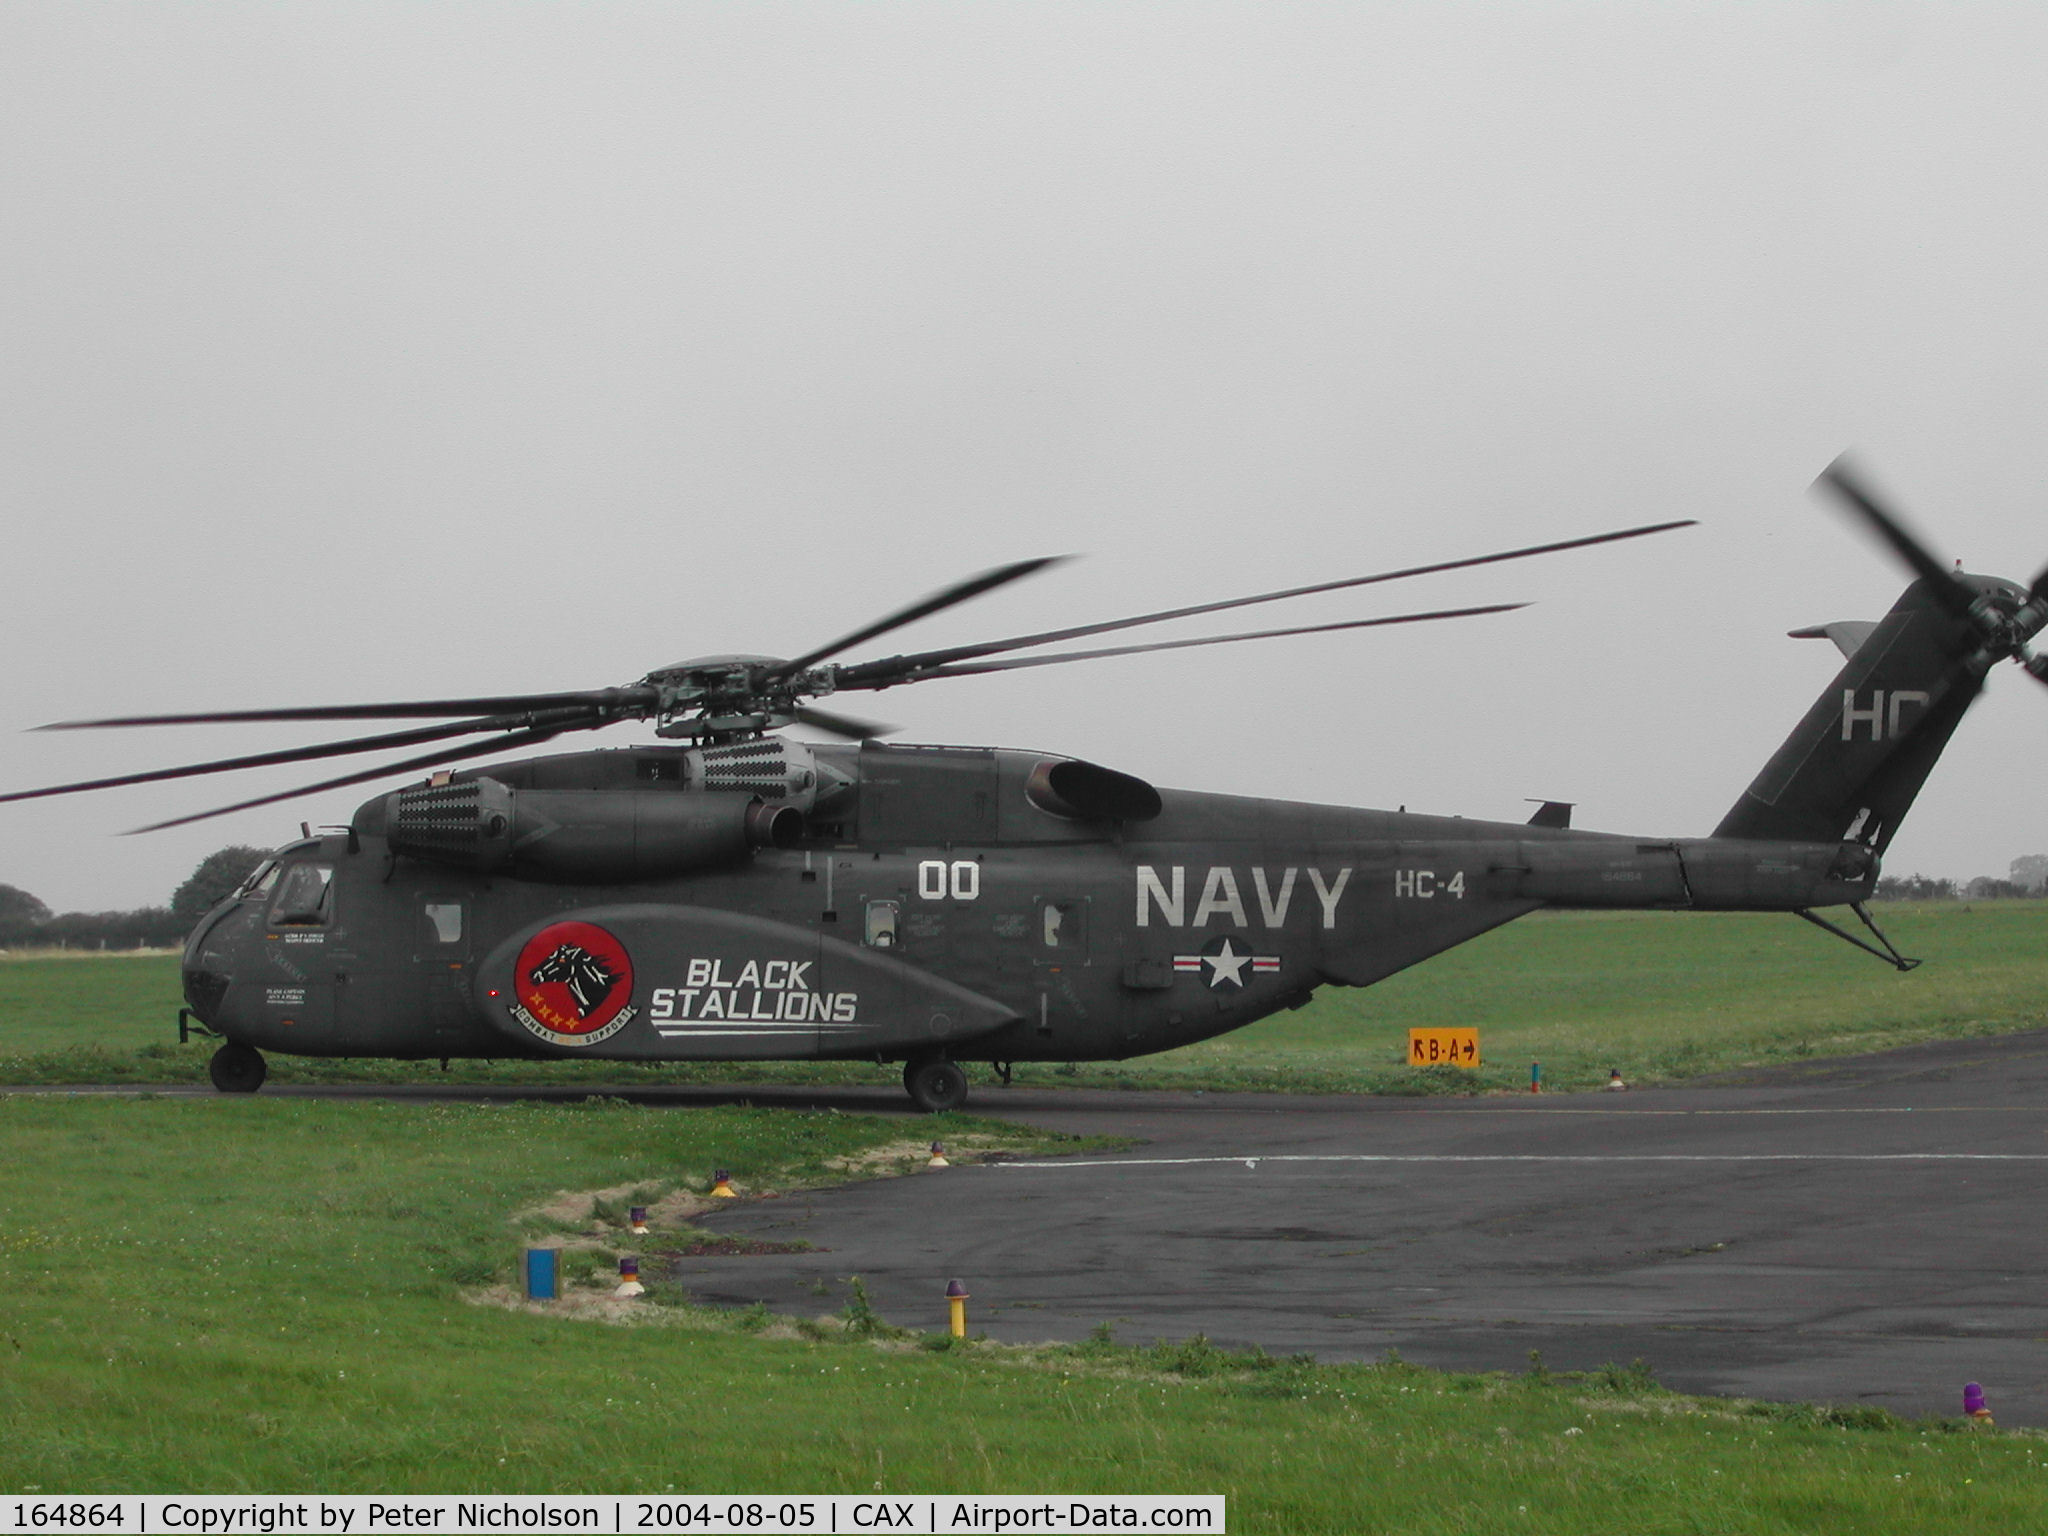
<point x="381" y="351"/>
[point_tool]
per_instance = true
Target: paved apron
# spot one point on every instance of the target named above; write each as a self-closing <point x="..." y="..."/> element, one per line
<point x="1870" y="1231"/>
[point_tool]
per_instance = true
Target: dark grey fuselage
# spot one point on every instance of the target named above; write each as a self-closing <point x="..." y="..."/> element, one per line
<point x="930" y="906"/>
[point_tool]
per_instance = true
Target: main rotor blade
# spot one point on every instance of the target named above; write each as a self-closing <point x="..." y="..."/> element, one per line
<point x="622" y="700"/>
<point x="845" y="726"/>
<point x="894" y="669"/>
<point x="969" y="669"/>
<point x="558" y="720"/>
<point x="429" y="760"/>
<point x="946" y="597"/>
<point x="1893" y="530"/>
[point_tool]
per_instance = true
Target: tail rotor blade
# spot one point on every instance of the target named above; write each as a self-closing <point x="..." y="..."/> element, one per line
<point x="1893" y="530"/>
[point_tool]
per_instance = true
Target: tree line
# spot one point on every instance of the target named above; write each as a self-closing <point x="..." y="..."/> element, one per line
<point x="2025" y="877"/>
<point x="26" y="921"/>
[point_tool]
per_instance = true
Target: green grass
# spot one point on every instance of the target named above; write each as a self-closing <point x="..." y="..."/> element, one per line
<point x="1661" y="996"/>
<point x="117" y="1002"/>
<point x="228" y="1295"/>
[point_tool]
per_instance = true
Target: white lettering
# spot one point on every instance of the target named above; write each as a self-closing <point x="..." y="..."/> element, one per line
<point x="1330" y="895"/>
<point x="1900" y="700"/>
<point x="1852" y="716"/>
<point x="1418" y="883"/>
<point x="1274" y="909"/>
<point x="783" y="994"/>
<point x="936" y="880"/>
<point x="699" y="974"/>
<point x="1219" y="894"/>
<point x="1457" y="885"/>
<point x="1172" y="907"/>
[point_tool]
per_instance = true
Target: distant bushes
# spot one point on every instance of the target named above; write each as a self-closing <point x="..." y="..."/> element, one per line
<point x="2026" y="878"/>
<point x="143" y="928"/>
<point x="26" y="921"/>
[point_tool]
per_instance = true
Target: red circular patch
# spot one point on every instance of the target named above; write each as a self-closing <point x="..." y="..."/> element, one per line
<point x="573" y="977"/>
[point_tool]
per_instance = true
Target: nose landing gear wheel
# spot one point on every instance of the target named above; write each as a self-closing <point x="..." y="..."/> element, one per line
<point x="935" y="1086"/>
<point x="238" y="1069"/>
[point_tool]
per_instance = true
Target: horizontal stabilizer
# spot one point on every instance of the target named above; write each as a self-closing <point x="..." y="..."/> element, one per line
<point x="1848" y="634"/>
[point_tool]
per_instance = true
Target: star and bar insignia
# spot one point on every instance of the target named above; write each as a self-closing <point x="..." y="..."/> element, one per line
<point x="1226" y="964"/>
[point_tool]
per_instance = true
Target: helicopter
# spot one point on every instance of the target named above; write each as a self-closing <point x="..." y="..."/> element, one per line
<point x="734" y="894"/>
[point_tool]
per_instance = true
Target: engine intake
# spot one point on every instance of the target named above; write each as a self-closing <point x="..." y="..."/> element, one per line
<point x="582" y="836"/>
<point x="1076" y="791"/>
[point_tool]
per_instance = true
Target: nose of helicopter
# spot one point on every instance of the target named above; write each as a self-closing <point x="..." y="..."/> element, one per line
<point x="207" y="967"/>
<point x="206" y="983"/>
<point x="205" y="991"/>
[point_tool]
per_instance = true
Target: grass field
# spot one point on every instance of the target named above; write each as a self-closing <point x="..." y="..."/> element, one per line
<point x="1661" y="996"/>
<point x="228" y="1295"/>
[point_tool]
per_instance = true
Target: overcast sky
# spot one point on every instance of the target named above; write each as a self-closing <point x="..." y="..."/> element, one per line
<point x="361" y="352"/>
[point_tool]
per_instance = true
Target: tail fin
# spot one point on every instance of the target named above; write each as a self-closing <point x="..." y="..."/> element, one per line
<point x="1853" y="765"/>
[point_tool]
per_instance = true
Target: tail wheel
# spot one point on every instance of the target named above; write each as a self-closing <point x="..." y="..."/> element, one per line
<point x="237" y="1068"/>
<point x="934" y="1085"/>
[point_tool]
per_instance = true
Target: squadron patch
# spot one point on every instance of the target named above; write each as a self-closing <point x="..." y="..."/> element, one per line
<point x="574" y="984"/>
<point x="1226" y="964"/>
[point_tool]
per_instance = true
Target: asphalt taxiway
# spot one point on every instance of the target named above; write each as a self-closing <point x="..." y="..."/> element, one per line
<point x="1871" y="1230"/>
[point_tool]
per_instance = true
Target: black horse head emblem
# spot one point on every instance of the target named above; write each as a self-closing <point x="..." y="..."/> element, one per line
<point x="589" y="981"/>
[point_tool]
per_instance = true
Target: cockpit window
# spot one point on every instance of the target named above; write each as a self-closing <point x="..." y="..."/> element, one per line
<point x="261" y="879"/>
<point x="302" y="897"/>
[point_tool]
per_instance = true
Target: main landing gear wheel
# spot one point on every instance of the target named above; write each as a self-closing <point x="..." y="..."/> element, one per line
<point x="240" y="1069"/>
<point x="935" y="1086"/>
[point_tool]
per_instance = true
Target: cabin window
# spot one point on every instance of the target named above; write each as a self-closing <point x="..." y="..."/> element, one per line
<point x="302" y="897"/>
<point x="1062" y="925"/>
<point x="444" y="919"/>
<point x="260" y="880"/>
<point x="882" y="924"/>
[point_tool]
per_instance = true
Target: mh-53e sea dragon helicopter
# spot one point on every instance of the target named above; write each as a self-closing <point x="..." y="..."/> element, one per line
<point x="743" y="896"/>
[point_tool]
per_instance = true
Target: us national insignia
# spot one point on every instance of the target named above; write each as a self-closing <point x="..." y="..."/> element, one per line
<point x="1226" y="964"/>
<point x="574" y="984"/>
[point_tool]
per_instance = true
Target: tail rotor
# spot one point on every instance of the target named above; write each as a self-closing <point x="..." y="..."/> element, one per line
<point x="2005" y="614"/>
